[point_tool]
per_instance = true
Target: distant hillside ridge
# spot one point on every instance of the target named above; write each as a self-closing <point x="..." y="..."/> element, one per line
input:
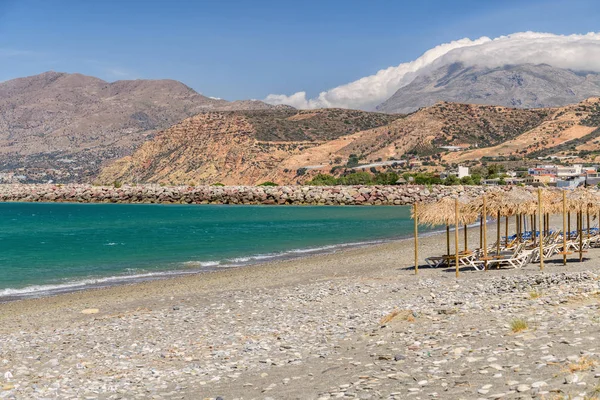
<point x="65" y="126"/>
<point x="290" y="146"/>
<point x="242" y="147"/>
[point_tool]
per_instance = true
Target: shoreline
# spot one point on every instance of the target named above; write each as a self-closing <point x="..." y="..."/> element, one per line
<point x="41" y="291"/>
<point x="92" y="283"/>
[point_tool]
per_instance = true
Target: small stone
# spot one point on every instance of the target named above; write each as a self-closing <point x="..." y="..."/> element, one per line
<point x="523" y="388"/>
<point x="90" y="311"/>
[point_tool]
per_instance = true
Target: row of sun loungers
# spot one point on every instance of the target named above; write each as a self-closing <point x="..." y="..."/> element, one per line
<point x="516" y="252"/>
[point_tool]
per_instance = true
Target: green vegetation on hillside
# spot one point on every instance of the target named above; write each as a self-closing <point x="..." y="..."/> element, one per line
<point x="594" y="118"/>
<point x="313" y="125"/>
<point x="355" y="178"/>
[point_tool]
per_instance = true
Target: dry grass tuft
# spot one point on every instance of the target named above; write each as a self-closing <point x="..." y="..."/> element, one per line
<point x="535" y="294"/>
<point x="518" y="325"/>
<point x="583" y="364"/>
<point x="404" y="315"/>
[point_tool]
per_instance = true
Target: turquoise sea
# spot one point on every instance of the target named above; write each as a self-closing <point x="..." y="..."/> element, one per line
<point x="50" y="248"/>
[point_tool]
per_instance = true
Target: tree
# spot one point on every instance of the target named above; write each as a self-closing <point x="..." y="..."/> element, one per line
<point x="386" y="178"/>
<point x="467" y="180"/>
<point x="451" y="180"/>
<point x="352" y="161"/>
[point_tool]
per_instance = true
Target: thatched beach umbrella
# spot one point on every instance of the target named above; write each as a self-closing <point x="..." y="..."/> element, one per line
<point x="513" y="202"/>
<point x="447" y="211"/>
<point x="580" y="200"/>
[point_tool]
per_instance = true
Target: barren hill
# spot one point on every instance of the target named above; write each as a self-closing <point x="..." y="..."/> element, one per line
<point x="573" y="127"/>
<point x="523" y="86"/>
<point x="250" y="147"/>
<point x="244" y="147"/>
<point x="58" y="125"/>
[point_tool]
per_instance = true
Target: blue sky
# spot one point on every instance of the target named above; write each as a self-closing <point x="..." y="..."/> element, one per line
<point x="249" y="49"/>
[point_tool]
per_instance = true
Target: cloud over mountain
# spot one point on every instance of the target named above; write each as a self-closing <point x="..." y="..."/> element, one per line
<point x="576" y="52"/>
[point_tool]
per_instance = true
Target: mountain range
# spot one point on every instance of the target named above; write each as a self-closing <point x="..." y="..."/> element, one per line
<point x="65" y="126"/>
<point x="75" y="128"/>
<point x="521" y="86"/>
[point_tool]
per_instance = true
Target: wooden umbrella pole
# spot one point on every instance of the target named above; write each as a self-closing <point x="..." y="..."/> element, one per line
<point x="564" y="211"/>
<point x="416" y="239"/>
<point x="506" y="230"/>
<point x="447" y="239"/>
<point x="543" y="224"/>
<point x="517" y="223"/>
<point x="534" y="231"/>
<point x="456" y="234"/>
<point x="481" y="232"/>
<point x="532" y="224"/>
<point x="498" y="233"/>
<point x="541" y="233"/>
<point x="580" y="236"/>
<point x="588" y="221"/>
<point x="485" y="263"/>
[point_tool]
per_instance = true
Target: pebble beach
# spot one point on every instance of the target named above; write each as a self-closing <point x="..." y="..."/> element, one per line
<point x="354" y="324"/>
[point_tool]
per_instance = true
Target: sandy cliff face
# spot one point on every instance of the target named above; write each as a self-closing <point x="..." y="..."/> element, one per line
<point x="237" y="147"/>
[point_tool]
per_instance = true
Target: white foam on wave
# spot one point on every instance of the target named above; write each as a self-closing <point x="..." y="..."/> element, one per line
<point x="69" y="286"/>
<point x="192" y="264"/>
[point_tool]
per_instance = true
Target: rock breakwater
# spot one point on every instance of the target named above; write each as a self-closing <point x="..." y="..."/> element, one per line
<point x="293" y="195"/>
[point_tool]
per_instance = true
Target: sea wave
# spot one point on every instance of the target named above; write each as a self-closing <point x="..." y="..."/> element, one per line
<point x="74" y="285"/>
<point x="183" y="268"/>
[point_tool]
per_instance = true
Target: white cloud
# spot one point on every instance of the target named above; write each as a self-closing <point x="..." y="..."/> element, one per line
<point x="577" y="52"/>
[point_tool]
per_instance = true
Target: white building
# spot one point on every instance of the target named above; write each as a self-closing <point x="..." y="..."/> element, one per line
<point x="460" y="173"/>
<point x="463" y="172"/>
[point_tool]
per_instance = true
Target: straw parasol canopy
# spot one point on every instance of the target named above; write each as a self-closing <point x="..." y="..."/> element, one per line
<point x="442" y="212"/>
<point x="582" y="199"/>
<point x="509" y="202"/>
<point x="552" y="201"/>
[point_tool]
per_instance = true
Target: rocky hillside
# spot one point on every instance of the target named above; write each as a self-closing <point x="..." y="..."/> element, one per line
<point x="245" y="147"/>
<point x="285" y="146"/>
<point x="566" y="130"/>
<point x="523" y="86"/>
<point x="64" y="126"/>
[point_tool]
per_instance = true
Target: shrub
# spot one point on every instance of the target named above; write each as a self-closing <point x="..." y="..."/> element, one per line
<point x="217" y="184"/>
<point x="268" y="183"/>
<point x="451" y="180"/>
<point x="518" y="325"/>
<point x="323" y="180"/>
<point x="356" y="178"/>
<point x="117" y="184"/>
